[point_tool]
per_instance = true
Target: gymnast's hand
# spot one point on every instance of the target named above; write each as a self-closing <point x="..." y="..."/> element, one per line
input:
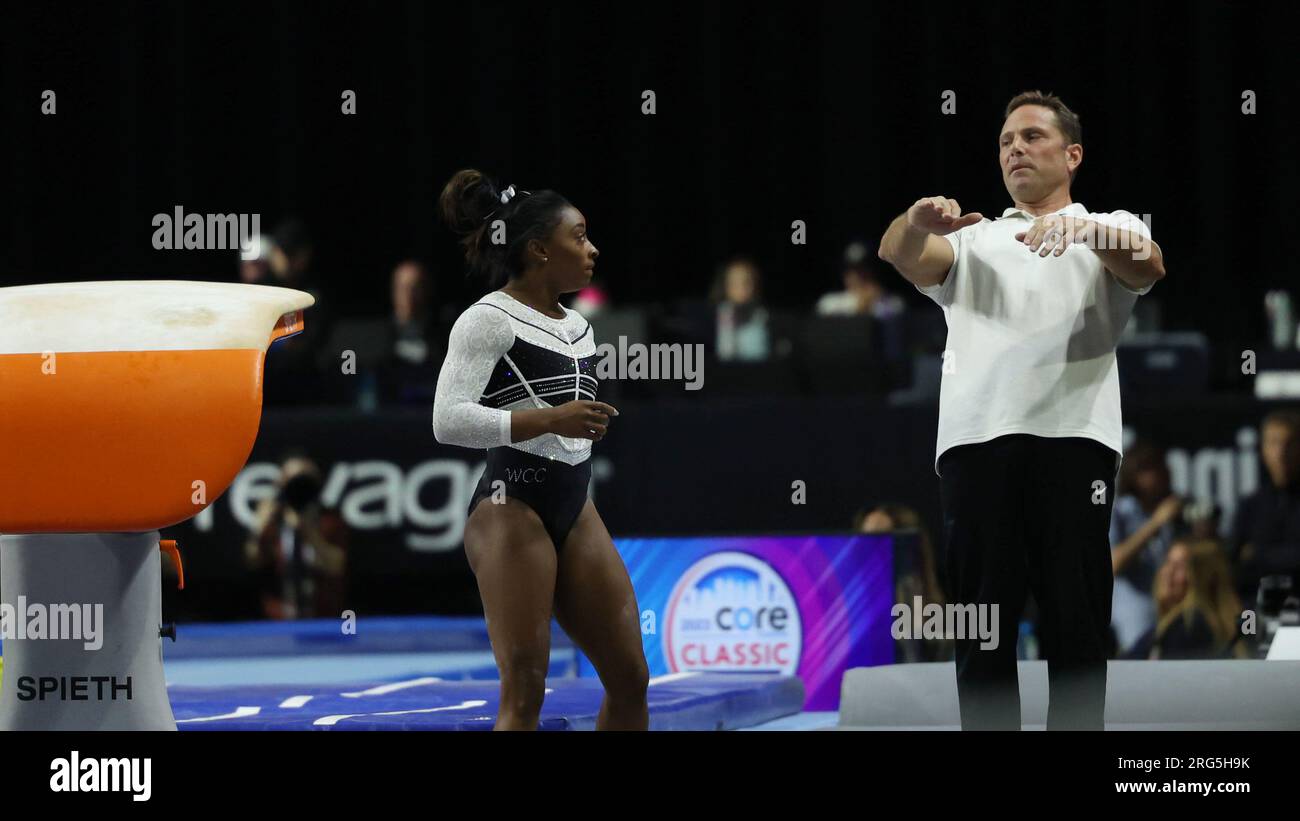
<point x="939" y="216"/>
<point x="579" y="419"/>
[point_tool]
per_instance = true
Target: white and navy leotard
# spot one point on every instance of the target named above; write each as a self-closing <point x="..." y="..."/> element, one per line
<point x="505" y="356"/>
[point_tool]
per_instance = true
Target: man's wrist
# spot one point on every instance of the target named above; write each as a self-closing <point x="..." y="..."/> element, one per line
<point x="911" y="231"/>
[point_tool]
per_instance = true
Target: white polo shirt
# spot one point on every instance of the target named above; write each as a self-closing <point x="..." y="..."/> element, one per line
<point x="1031" y="340"/>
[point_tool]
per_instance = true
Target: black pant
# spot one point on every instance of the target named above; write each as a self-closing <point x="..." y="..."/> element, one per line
<point x="1030" y="513"/>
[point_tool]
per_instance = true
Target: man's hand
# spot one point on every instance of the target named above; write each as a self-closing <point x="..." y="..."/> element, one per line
<point x="939" y="216"/>
<point x="912" y="242"/>
<point x="1053" y="233"/>
<point x="1130" y="257"/>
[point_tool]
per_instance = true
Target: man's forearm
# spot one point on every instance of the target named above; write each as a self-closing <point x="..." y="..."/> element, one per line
<point x="1131" y="257"/>
<point x="902" y="245"/>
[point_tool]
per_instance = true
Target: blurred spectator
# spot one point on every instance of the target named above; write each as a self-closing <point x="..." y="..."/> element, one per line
<point x="257" y="270"/>
<point x="293" y="364"/>
<point x="742" y="321"/>
<point x="415" y="350"/>
<point x="298" y="547"/>
<point x="917" y="575"/>
<point x="863" y="294"/>
<point x="1200" y="613"/>
<point x="591" y="301"/>
<point x="291" y="255"/>
<point x="1143" y="524"/>
<point x="1202" y="519"/>
<point x="1266" y="529"/>
<point x="1168" y="590"/>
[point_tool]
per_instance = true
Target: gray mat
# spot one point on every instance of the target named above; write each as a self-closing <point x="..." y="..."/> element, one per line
<point x="1140" y="695"/>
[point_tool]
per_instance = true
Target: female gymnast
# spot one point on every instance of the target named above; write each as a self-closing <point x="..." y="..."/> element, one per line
<point x="519" y="380"/>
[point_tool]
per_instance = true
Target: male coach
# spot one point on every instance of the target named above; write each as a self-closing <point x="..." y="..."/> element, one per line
<point x="1029" y="436"/>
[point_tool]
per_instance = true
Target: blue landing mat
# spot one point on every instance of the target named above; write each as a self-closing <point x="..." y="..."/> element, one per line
<point x="384" y="634"/>
<point x="689" y="701"/>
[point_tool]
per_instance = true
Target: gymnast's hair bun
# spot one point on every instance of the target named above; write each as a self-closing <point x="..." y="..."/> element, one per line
<point x="467" y="200"/>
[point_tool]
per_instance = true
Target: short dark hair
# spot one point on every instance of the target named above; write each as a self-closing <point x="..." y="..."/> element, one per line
<point x="1066" y="120"/>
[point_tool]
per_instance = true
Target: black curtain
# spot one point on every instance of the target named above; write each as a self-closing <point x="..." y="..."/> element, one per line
<point x="827" y="113"/>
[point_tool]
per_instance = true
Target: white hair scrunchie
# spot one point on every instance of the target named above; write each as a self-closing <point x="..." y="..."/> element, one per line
<point x="505" y="198"/>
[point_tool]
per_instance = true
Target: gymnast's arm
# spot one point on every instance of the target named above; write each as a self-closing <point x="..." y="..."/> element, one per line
<point x="913" y="243"/>
<point x="478" y="340"/>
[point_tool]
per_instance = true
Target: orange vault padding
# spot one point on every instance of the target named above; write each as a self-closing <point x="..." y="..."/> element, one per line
<point x="130" y="406"/>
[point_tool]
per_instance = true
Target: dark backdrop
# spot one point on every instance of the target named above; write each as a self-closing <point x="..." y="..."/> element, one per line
<point x="828" y="113"/>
